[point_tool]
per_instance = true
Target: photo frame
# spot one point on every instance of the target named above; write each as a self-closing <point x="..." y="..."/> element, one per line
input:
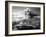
<point x="24" y="18"/>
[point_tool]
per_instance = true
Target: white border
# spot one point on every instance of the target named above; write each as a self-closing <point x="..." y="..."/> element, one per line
<point x="24" y="5"/>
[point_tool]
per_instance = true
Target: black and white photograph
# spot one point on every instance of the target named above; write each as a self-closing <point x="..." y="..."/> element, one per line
<point x="24" y="18"/>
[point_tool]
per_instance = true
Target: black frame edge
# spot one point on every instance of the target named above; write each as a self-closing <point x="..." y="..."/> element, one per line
<point x="26" y="2"/>
<point x="6" y="18"/>
<point x="44" y="18"/>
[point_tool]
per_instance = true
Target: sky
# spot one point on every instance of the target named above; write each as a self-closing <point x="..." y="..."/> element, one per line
<point x="18" y="13"/>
